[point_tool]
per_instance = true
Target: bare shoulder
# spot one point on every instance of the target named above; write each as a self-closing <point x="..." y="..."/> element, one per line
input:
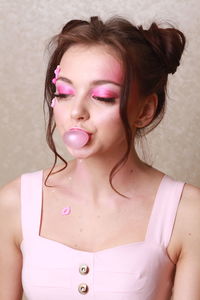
<point x="190" y="202"/>
<point x="10" y="238"/>
<point x="10" y="195"/>
<point x="188" y="217"/>
<point x="187" y="233"/>
<point x="10" y="209"/>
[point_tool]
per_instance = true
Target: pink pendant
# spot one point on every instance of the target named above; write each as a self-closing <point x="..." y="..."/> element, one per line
<point x="66" y="211"/>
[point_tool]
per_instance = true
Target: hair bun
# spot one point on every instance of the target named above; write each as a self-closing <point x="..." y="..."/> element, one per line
<point x="73" y="24"/>
<point x="167" y="43"/>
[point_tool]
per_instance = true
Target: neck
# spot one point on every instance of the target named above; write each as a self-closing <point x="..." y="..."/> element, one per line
<point x="91" y="176"/>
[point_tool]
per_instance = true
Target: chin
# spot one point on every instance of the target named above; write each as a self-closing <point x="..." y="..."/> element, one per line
<point x="86" y="152"/>
<point x="94" y="151"/>
<point x="80" y="153"/>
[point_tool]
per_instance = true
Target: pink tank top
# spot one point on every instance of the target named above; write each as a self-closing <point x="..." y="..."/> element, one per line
<point x="135" y="271"/>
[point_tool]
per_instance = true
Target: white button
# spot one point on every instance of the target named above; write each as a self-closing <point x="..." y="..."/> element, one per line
<point x="83" y="269"/>
<point x="83" y="288"/>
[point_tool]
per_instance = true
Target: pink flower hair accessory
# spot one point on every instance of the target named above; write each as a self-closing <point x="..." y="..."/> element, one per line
<point x="56" y="72"/>
<point x="53" y="102"/>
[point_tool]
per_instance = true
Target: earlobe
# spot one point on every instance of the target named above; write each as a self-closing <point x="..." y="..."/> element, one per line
<point x="147" y="111"/>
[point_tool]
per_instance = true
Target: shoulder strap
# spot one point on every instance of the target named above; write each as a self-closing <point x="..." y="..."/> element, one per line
<point x="164" y="211"/>
<point x="31" y="203"/>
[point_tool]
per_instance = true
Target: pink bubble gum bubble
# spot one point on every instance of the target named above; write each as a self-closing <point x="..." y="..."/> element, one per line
<point x="76" y="138"/>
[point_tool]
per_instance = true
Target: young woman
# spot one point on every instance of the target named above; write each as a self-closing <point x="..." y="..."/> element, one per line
<point x="104" y="225"/>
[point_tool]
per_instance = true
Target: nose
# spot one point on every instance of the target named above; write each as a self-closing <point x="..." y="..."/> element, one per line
<point x="80" y="110"/>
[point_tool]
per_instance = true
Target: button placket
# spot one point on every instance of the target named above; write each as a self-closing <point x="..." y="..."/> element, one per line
<point x="83" y="287"/>
<point x="83" y="277"/>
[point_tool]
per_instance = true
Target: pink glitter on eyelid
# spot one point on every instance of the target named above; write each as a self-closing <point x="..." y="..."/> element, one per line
<point x="64" y="89"/>
<point x="102" y="92"/>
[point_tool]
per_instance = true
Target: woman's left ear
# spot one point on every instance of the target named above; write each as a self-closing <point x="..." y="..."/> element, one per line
<point x="146" y="111"/>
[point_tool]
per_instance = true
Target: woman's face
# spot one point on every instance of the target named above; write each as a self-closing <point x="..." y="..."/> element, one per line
<point x="90" y="80"/>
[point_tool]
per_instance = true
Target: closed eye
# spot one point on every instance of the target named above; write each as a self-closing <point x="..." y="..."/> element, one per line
<point x="105" y="99"/>
<point x="62" y="95"/>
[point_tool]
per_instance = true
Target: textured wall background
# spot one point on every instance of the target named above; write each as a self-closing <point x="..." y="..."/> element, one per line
<point x="26" y="27"/>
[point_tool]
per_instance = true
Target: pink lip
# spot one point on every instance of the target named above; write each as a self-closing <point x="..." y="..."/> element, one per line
<point x="78" y="128"/>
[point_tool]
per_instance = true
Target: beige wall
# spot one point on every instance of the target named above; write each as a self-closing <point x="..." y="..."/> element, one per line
<point x="26" y="27"/>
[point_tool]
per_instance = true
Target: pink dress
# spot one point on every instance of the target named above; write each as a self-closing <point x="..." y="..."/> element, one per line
<point x="135" y="271"/>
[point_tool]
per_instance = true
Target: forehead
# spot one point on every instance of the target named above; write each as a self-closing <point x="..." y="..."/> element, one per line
<point x="96" y="62"/>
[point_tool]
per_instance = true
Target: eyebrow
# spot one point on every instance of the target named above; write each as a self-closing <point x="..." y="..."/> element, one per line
<point x="95" y="82"/>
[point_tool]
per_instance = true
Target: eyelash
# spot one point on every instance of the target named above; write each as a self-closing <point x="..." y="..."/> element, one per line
<point x="62" y="95"/>
<point x="108" y="100"/>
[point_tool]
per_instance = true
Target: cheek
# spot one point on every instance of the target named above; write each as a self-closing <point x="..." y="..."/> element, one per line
<point x="109" y="123"/>
<point x="111" y="116"/>
<point x="60" y="115"/>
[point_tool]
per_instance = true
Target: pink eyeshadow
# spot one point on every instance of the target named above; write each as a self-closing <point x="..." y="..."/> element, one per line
<point x="64" y="89"/>
<point x="102" y="92"/>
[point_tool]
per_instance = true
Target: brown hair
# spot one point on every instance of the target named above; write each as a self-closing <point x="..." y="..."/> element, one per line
<point x="148" y="56"/>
